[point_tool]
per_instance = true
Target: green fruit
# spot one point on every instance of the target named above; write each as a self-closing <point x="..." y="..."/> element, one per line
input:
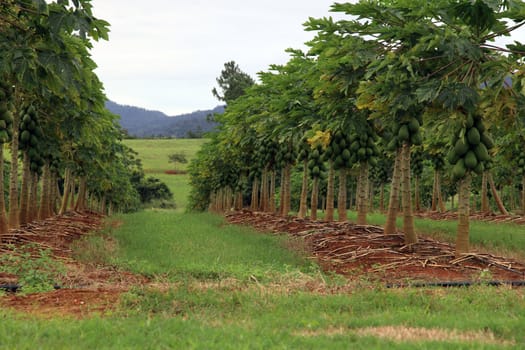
<point x="482" y="153"/>
<point x="3" y="124"/>
<point x="338" y="162"/>
<point x="328" y="151"/>
<point x="4" y="137"/>
<point x="413" y="125"/>
<point x="361" y="154"/>
<point x="8" y="117"/>
<point x="338" y="136"/>
<point x="459" y="170"/>
<point x="311" y="164"/>
<point x="487" y="140"/>
<point x="479" y="168"/>
<point x="392" y="145"/>
<point x="452" y="156"/>
<point x="403" y="133"/>
<point x="473" y="136"/>
<point x="316" y="171"/>
<point x="26" y="118"/>
<point x="336" y="149"/>
<point x="354" y="146"/>
<point x="416" y="138"/>
<point x="369" y="151"/>
<point x="363" y="138"/>
<point x="25" y="136"/>
<point x="345" y="154"/>
<point x="372" y="161"/>
<point x="342" y="143"/>
<point x="315" y="154"/>
<point x="461" y="147"/>
<point x="470" y="121"/>
<point x="479" y="125"/>
<point x="470" y="160"/>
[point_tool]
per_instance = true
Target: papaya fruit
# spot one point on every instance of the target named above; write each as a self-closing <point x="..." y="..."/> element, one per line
<point x="470" y="160"/>
<point x="392" y="145"/>
<point x="403" y="134"/>
<point x="479" y="125"/>
<point x="461" y="147"/>
<point x="459" y="170"/>
<point x="473" y="136"/>
<point x="479" y="168"/>
<point x="481" y="152"/>
<point x="345" y="154"/>
<point x="416" y="138"/>
<point x="469" y="121"/>
<point x="315" y="154"/>
<point x="413" y="125"/>
<point x="452" y="156"/>
<point x="25" y="136"/>
<point x="361" y="154"/>
<point x="316" y="171"/>
<point x="336" y="150"/>
<point x="354" y="146"/>
<point x="487" y="140"/>
<point x="3" y="124"/>
<point x="342" y="143"/>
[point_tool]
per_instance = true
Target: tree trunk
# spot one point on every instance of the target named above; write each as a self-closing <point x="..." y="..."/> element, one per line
<point x="417" y="197"/>
<point x="272" y="191"/>
<point x="304" y="192"/>
<point x="82" y="191"/>
<point x="496" y="196"/>
<point x="72" y="196"/>
<point x="406" y="197"/>
<point x="462" y="238"/>
<point x="314" y="199"/>
<point x="484" y="194"/>
<point x="213" y="203"/>
<point x="371" y="195"/>
<point x="393" y="203"/>
<point x="24" y="190"/>
<point x="329" y="215"/>
<point x="362" y="202"/>
<point x="342" y="196"/>
<point x="45" y="194"/>
<point x="14" y="214"/>
<point x="434" y="191"/>
<point x="264" y="191"/>
<point x="3" y="215"/>
<point x="286" y="190"/>
<point x="523" y="195"/>
<point x="55" y="194"/>
<point x="382" y="198"/>
<point x="33" y="199"/>
<point x="67" y="191"/>
<point x="441" y="203"/>
<point x="255" y="194"/>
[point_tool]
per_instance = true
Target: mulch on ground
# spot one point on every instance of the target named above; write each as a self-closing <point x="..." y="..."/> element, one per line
<point x="358" y="251"/>
<point x="85" y="289"/>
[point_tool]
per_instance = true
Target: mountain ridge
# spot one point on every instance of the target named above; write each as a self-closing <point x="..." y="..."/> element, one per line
<point x="143" y="123"/>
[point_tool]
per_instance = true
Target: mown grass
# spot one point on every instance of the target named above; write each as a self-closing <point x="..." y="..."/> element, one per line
<point x="154" y="152"/>
<point x="201" y="245"/>
<point x="232" y="288"/>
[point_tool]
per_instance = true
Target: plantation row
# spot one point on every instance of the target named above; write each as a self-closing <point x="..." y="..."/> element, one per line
<point x="394" y="89"/>
<point x="53" y="118"/>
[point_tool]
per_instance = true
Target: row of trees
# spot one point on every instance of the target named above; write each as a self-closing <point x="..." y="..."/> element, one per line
<point x="392" y="78"/>
<point x="53" y="119"/>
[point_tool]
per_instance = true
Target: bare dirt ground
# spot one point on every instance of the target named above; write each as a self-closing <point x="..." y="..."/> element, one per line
<point x="85" y="289"/>
<point x="344" y="248"/>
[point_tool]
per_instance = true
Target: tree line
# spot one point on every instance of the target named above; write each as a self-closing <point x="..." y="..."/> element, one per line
<point x="394" y="88"/>
<point x="63" y="146"/>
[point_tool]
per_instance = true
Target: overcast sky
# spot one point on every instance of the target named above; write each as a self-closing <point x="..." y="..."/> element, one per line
<point x="165" y="54"/>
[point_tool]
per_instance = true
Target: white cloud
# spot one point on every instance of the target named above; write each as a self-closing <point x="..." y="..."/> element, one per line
<point x="166" y="55"/>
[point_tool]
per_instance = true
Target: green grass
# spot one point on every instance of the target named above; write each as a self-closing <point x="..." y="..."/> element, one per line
<point x="233" y="288"/>
<point x="154" y="152"/>
<point x="171" y="245"/>
<point x="501" y="238"/>
<point x="229" y="287"/>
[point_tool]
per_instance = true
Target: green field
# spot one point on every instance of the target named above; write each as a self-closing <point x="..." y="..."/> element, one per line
<point x="154" y="155"/>
<point x="229" y="287"/>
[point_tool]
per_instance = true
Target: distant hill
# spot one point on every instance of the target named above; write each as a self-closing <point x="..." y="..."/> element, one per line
<point x="140" y="122"/>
